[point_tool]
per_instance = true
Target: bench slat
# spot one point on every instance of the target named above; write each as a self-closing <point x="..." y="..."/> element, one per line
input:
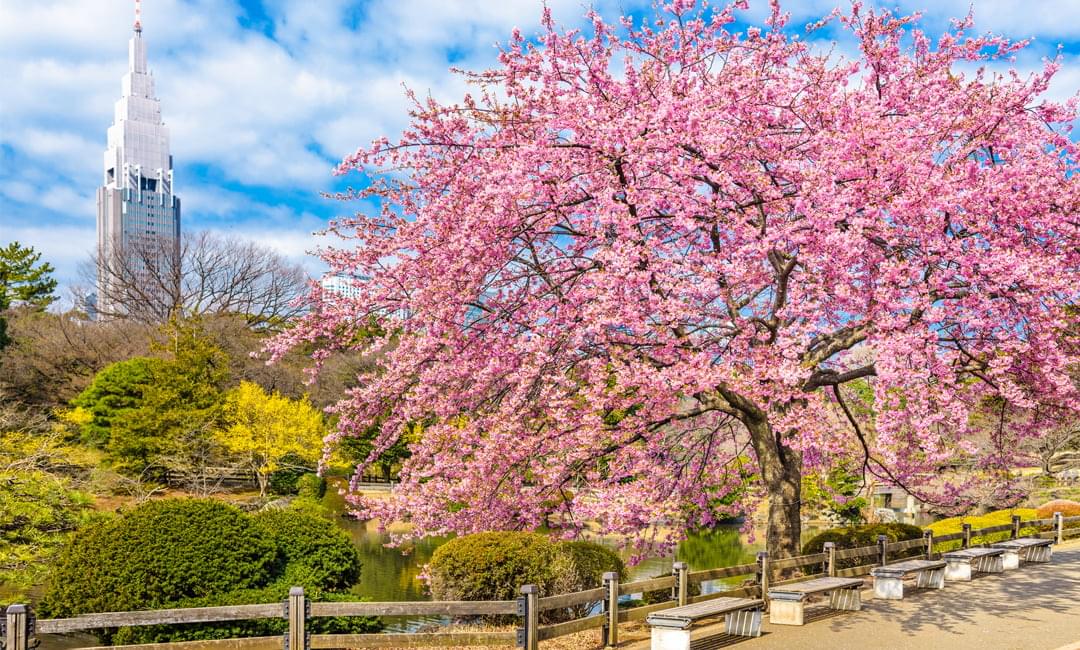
<point x="903" y="568"/>
<point x="683" y="617"/>
<point x="1023" y="542"/>
<point x="817" y="585"/>
<point x="972" y="553"/>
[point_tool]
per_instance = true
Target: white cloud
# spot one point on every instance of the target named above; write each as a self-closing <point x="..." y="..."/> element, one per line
<point x="265" y="117"/>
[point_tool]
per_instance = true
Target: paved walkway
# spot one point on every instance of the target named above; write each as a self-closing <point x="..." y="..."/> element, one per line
<point x="1036" y="607"/>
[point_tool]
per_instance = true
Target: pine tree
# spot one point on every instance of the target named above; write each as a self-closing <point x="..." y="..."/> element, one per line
<point x="23" y="281"/>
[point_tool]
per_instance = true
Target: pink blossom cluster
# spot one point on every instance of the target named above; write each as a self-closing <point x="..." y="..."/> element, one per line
<point x="634" y="244"/>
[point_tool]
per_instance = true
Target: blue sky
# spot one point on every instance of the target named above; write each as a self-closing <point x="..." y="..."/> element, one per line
<point x="264" y="97"/>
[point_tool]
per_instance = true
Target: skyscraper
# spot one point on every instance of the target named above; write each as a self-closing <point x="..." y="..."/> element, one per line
<point x="138" y="216"/>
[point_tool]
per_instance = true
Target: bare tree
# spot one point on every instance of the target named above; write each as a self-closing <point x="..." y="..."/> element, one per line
<point x="55" y="356"/>
<point x="153" y="280"/>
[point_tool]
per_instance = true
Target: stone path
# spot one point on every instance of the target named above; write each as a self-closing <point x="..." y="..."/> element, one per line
<point x="1036" y="607"/>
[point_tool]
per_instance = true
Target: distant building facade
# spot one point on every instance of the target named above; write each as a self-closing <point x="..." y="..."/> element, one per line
<point x="342" y="284"/>
<point x="138" y="214"/>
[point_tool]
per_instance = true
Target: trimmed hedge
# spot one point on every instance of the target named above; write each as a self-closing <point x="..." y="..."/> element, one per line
<point x="156" y="554"/>
<point x="494" y="565"/>
<point x="313" y="552"/>
<point x="859" y="536"/>
<point x="1066" y="507"/>
<point x="201" y="553"/>
<point x="996" y="518"/>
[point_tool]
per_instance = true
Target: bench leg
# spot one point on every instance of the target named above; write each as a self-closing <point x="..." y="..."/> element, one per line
<point x="847" y="599"/>
<point x="786" y="612"/>
<point x="890" y="588"/>
<point x="1039" y="554"/>
<point x="745" y="622"/>
<point x="991" y="564"/>
<point x="958" y="570"/>
<point x="1010" y="560"/>
<point x="667" y="639"/>
<point x="931" y="579"/>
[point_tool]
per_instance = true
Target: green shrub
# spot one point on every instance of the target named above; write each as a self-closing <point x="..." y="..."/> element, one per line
<point x="494" y="566"/>
<point x="311" y="486"/>
<point x="990" y="519"/>
<point x="860" y="536"/>
<point x="284" y="480"/>
<point x="156" y="554"/>
<point x="1066" y="507"/>
<point x="313" y="551"/>
<point x="199" y="553"/>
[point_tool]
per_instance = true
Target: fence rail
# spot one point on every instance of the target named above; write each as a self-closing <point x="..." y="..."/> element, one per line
<point x="298" y="610"/>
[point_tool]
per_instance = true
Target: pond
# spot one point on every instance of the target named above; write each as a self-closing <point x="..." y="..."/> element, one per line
<point x="391" y="574"/>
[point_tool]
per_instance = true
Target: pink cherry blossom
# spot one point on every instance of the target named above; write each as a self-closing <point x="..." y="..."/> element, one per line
<point x="646" y="268"/>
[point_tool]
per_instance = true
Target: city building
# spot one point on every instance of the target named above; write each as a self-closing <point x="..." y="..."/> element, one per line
<point x="341" y="284"/>
<point x="138" y="214"/>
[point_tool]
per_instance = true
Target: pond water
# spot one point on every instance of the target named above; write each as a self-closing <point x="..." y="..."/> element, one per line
<point x="391" y="574"/>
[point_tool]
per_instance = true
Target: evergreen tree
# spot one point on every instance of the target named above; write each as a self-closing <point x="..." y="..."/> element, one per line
<point x="23" y="280"/>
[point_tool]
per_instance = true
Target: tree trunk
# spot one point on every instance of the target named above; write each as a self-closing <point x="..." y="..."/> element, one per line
<point x="781" y="469"/>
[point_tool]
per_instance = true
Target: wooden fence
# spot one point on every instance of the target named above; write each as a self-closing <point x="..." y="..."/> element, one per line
<point x="20" y="628"/>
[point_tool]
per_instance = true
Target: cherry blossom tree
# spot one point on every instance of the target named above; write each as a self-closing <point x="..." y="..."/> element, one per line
<point x="636" y="280"/>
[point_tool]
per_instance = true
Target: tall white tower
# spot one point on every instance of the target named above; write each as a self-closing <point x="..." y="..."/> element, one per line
<point x="138" y="216"/>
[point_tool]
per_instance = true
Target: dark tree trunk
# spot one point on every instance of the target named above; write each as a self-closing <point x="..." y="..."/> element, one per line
<point x="781" y="469"/>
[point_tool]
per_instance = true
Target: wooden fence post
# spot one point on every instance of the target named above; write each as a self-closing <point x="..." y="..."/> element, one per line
<point x="1016" y="526"/>
<point x="929" y="536"/>
<point x="611" y="604"/>
<point x="1059" y="526"/>
<point x="966" y="528"/>
<point x="296" y="611"/>
<point x="830" y="563"/>
<point x="17" y="632"/>
<point x="883" y="545"/>
<point x="682" y="587"/>
<point x="763" y="576"/>
<point x="528" y="636"/>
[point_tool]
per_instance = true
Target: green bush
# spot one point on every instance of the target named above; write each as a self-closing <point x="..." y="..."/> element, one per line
<point x="996" y="518"/>
<point x="311" y="486"/>
<point x="860" y="536"/>
<point x="199" y="553"/>
<point x="159" y="553"/>
<point x="313" y="551"/>
<point x="494" y="566"/>
<point x="285" y="480"/>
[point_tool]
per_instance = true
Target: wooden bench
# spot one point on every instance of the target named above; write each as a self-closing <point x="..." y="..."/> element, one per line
<point x="961" y="564"/>
<point x="671" y="627"/>
<point x="1028" y="549"/>
<point x="786" y="601"/>
<point x="889" y="579"/>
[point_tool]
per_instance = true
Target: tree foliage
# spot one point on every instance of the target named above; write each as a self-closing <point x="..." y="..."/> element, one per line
<point x="262" y="427"/>
<point x="179" y="407"/>
<point x="24" y="280"/>
<point x="40" y="503"/>
<point x="115" y="392"/>
<point x="712" y="231"/>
